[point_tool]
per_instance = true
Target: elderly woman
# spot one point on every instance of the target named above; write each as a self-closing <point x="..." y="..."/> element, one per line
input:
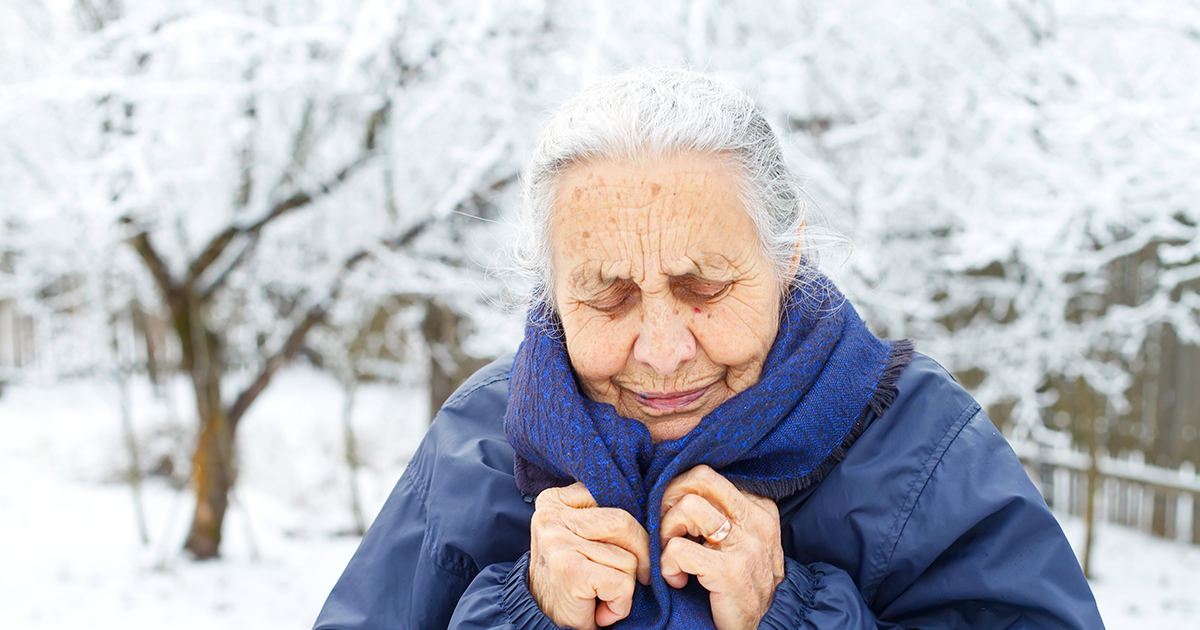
<point x="698" y="430"/>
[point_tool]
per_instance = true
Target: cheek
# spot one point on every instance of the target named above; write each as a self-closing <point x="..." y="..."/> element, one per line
<point x="737" y="336"/>
<point x="599" y="347"/>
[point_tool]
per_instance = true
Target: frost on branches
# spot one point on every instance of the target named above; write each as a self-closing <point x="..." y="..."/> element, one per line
<point x="1019" y="180"/>
<point x="333" y="179"/>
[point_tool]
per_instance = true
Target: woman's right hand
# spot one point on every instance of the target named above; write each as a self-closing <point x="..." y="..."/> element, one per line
<point x="581" y="553"/>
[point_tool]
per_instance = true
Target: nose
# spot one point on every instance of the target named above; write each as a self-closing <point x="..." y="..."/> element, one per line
<point x="665" y="342"/>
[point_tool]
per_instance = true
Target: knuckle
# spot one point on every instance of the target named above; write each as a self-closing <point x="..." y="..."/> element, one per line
<point x="606" y="520"/>
<point x="675" y="546"/>
<point x="540" y="519"/>
<point x="578" y="493"/>
<point x="670" y="525"/>
<point x="691" y="503"/>
<point x="634" y="532"/>
<point x="547" y="497"/>
<point x="627" y="563"/>
<point x="768" y="506"/>
<point x="704" y="471"/>
<point x="569" y="565"/>
<point x="621" y="524"/>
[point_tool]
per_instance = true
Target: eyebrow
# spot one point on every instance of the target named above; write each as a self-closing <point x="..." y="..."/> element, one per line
<point x="713" y="263"/>
<point x="588" y="277"/>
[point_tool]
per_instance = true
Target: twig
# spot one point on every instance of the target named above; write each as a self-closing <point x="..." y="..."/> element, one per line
<point x="234" y="498"/>
<point x="131" y="449"/>
<point x="350" y="386"/>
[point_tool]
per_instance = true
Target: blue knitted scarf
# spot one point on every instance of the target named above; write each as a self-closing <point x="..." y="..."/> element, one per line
<point x="777" y="437"/>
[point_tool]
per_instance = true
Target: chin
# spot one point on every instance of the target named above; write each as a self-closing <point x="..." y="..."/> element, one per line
<point x="668" y="427"/>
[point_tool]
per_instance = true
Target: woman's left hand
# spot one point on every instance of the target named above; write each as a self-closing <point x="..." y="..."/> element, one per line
<point x="740" y="558"/>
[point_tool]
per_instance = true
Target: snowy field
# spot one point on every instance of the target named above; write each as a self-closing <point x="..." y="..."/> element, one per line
<point x="72" y="556"/>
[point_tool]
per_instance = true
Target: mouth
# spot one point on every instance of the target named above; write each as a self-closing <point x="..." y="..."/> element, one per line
<point x="669" y="402"/>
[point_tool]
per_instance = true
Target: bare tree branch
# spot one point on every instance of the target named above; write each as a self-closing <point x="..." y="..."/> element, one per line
<point x="314" y="316"/>
<point x="376" y="122"/>
<point x="294" y="343"/>
<point x="211" y="252"/>
<point x="300" y="146"/>
<point x="300" y="199"/>
<point x="155" y="263"/>
<point x="316" y="313"/>
<point x="206" y="293"/>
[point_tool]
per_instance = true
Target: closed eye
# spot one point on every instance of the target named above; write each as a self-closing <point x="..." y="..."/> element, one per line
<point x="615" y="298"/>
<point x="695" y="289"/>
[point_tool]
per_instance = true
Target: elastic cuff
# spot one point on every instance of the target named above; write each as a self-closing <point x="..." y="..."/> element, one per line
<point x="793" y="598"/>
<point x="519" y="606"/>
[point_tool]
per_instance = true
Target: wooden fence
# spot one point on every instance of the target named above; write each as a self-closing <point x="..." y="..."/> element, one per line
<point x="1159" y="501"/>
<point x="16" y="340"/>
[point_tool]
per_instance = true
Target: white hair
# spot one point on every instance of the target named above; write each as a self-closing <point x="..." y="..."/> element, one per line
<point x="653" y="114"/>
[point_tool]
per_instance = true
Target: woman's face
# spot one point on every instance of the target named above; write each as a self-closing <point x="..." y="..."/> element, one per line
<point x="668" y="304"/>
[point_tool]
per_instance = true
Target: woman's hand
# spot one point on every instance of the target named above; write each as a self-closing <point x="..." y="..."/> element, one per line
<point x="740" y="560"/>
<point x="581" y="553"/>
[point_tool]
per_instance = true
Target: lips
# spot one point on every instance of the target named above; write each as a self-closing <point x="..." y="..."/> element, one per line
<point x="670" y="401"/>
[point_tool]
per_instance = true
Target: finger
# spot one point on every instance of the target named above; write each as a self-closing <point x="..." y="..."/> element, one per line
<point x="578" y="583"/>
<point x="615" y="527"/>
<point x="721" y="533"/>
<point x="708" y="483"/>
<point x="682" y="557"/>
<point x="606" y="615"/>
<point x="575" y="495"/>
<point x="694" y="516"/>
<point x="614" y="589"/>
<point x="610" y="556"/>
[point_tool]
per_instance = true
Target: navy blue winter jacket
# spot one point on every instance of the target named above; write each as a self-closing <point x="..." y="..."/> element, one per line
<point x="929" y="522"/>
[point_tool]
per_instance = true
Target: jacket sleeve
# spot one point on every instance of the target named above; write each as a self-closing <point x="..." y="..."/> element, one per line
<point x="392" y="582"/>
<point x="499" y="598"/>
<point x="974" y="545"/>
<point x="453" y="521"/>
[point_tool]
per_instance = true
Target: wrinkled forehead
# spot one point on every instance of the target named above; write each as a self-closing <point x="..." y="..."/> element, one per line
<point x="678" y="217"/>
<point x="658" y="186"/>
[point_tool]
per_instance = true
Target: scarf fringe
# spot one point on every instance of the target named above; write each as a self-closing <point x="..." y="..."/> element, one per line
<point x="885" y="394"/>
<point x="776" y="489"/>
<point x="885" y="389"/>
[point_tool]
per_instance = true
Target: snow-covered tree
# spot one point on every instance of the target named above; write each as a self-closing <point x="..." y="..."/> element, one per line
<point x="1000" y="166"/>
<point x="255" y="160"/>
<point x="267" y="168"/>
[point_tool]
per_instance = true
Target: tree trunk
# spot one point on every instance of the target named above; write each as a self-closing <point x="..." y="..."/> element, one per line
<point x="212" y="477"/>
<point x="1087" y="406"/>
<point x="1089" y="517"/>
<point x="212" y="462"/>
<point x="449" y="366"/>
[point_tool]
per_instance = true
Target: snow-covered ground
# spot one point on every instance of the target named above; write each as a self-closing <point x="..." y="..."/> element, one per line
<point x="71" y="556"/>
<point x="1140" y="582"/>
<point x="70" y="552"/>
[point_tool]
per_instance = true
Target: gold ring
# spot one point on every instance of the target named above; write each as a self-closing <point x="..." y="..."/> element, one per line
<point x="721" y="533"/>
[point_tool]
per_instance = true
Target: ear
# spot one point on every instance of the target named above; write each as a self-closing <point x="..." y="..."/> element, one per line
<point x="798" y="255"/>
